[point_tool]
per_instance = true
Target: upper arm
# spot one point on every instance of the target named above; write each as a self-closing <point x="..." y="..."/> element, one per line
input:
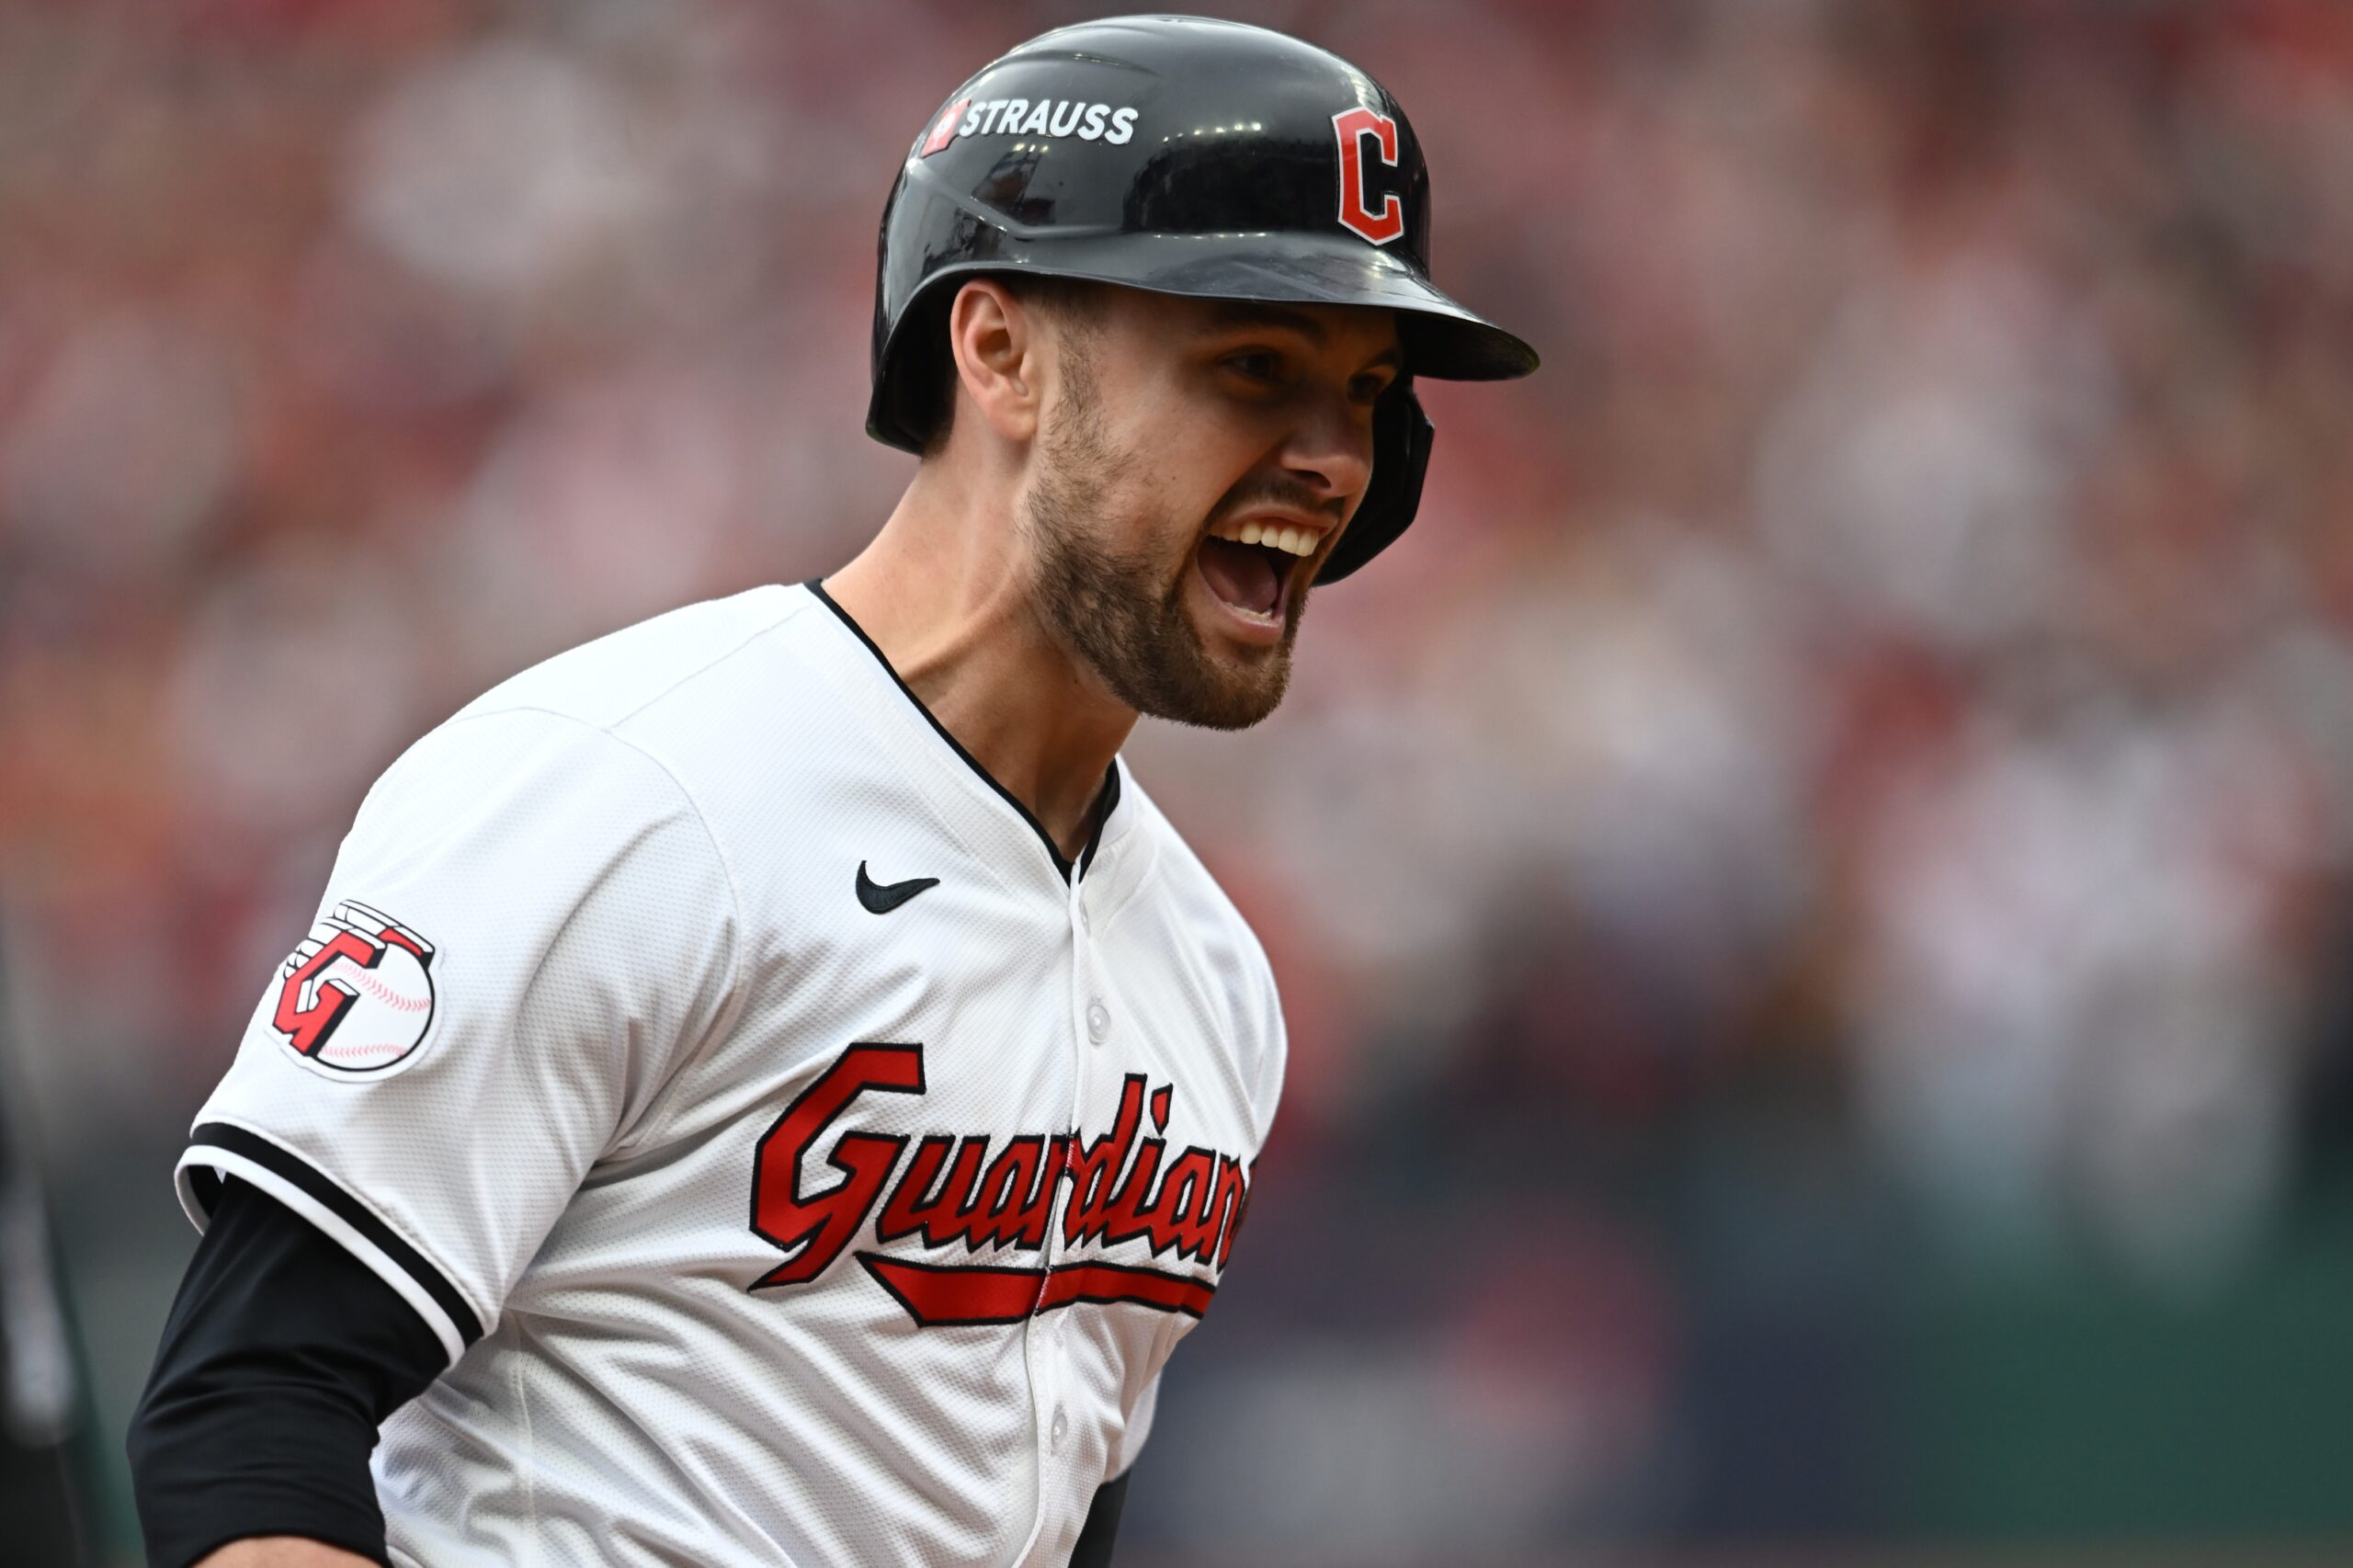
<point x="280" y="1358"/>
<point x="528" y="928"/>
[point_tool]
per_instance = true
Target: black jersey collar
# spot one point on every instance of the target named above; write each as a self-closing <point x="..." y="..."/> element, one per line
<point x="1106" y="801"/>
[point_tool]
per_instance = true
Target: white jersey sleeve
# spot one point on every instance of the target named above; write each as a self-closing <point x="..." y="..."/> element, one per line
<point x="526" y="932"/>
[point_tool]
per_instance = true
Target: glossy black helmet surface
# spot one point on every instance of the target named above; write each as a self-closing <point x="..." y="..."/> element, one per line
<point x="1183" y="156"/>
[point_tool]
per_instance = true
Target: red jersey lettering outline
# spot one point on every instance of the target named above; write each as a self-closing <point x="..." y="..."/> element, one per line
<point x="1122" y="1189"/>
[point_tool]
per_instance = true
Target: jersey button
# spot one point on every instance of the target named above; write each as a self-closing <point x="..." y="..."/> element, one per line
<point x="1098" y="1021"/>
<point x="1059" y="1430"/>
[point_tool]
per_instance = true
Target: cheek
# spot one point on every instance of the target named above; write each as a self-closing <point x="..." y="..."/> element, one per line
<point x="1179" y="472"/>
<point x="1186" y="452"/>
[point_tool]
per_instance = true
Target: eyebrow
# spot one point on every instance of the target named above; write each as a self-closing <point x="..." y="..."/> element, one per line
<point x="1233" y="313"/>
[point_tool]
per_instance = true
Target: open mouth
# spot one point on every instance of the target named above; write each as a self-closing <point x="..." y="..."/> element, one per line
<point x="1249" y="566"/>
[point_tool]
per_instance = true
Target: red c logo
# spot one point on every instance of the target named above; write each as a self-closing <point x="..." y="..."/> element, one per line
<point x="1352" y="126"/>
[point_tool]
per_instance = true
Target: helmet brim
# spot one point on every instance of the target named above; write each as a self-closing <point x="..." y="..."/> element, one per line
<point x="1442" y="340"/>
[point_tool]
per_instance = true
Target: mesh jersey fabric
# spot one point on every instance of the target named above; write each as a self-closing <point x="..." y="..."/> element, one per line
<point x="759" y="1227"/>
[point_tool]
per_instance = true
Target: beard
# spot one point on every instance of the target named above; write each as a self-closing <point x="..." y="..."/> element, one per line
<point x="1122" y="611"/>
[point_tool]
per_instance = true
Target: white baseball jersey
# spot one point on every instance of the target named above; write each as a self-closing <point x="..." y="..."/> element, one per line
<point x="799" y="1162"/>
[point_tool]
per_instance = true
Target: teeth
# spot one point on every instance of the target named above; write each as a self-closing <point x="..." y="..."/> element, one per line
<point x="1288" y="538"/>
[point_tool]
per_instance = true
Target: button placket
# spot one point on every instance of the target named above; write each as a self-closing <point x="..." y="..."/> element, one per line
<point x="1091" y="1026"/>
<point x="1082" y="1000"/>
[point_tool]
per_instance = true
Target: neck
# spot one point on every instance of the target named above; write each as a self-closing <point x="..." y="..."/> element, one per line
<point x="943" y="592"/>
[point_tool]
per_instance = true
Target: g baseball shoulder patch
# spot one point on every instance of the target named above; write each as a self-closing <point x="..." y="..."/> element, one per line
<point x="356" y="999"/>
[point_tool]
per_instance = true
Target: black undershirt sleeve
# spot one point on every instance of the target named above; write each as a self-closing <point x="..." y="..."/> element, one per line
<point x="1094" y="1547"/>
<point x="283" y="1355"/>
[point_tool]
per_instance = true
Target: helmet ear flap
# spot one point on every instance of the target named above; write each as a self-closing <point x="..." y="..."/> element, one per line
<point x="1401" y="455"/>
<point x="911" y="393"/>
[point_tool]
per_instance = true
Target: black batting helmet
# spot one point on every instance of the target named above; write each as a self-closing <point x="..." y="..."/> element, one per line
<point x="1183" y="156"/>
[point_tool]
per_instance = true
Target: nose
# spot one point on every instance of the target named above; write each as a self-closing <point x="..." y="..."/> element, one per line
<point x="1330" y="451"/>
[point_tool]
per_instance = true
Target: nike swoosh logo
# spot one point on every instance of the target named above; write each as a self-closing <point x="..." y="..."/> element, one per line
<point x="880" y="898"/>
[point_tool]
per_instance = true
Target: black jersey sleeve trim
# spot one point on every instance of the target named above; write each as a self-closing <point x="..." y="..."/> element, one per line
<point x="217" y="1149"/>
<point x="1107" y="799"/>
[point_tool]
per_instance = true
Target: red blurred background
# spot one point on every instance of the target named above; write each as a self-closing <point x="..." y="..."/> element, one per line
<point x="1811" y="890"/>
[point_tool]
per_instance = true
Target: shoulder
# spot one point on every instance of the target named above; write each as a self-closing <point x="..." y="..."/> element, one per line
<point x="640" y="715"/>
<point x="562" y="743"/>
<point x="1200" y="918"/>
<point x="1194" y="893"/>
<point x="612" y="680"/>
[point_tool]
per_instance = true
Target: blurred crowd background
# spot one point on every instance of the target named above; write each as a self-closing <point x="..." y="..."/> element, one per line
<point x="1812" y="889"/>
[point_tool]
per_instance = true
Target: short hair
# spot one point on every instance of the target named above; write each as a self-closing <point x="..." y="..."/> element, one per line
<point x="931" y="377"/>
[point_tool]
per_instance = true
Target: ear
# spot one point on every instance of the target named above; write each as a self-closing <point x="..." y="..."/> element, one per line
<point x="998" y="350"/>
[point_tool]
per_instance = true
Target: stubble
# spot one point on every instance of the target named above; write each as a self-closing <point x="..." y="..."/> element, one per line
<point x="1122" y="610"/>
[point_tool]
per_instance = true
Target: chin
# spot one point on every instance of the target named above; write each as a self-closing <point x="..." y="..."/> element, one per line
<point x="1240" y="707"/>
<point x="1222" y="682"/>
<point x="1168" y="647"/>
<point x="1231" y="710"/>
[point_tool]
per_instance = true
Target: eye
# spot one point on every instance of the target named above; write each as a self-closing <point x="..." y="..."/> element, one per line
<point x="1367" y="389"/>
<point x="1256" y="364"/>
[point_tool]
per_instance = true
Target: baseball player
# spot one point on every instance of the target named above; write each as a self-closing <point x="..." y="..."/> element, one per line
<point x="767" y="1087"/>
